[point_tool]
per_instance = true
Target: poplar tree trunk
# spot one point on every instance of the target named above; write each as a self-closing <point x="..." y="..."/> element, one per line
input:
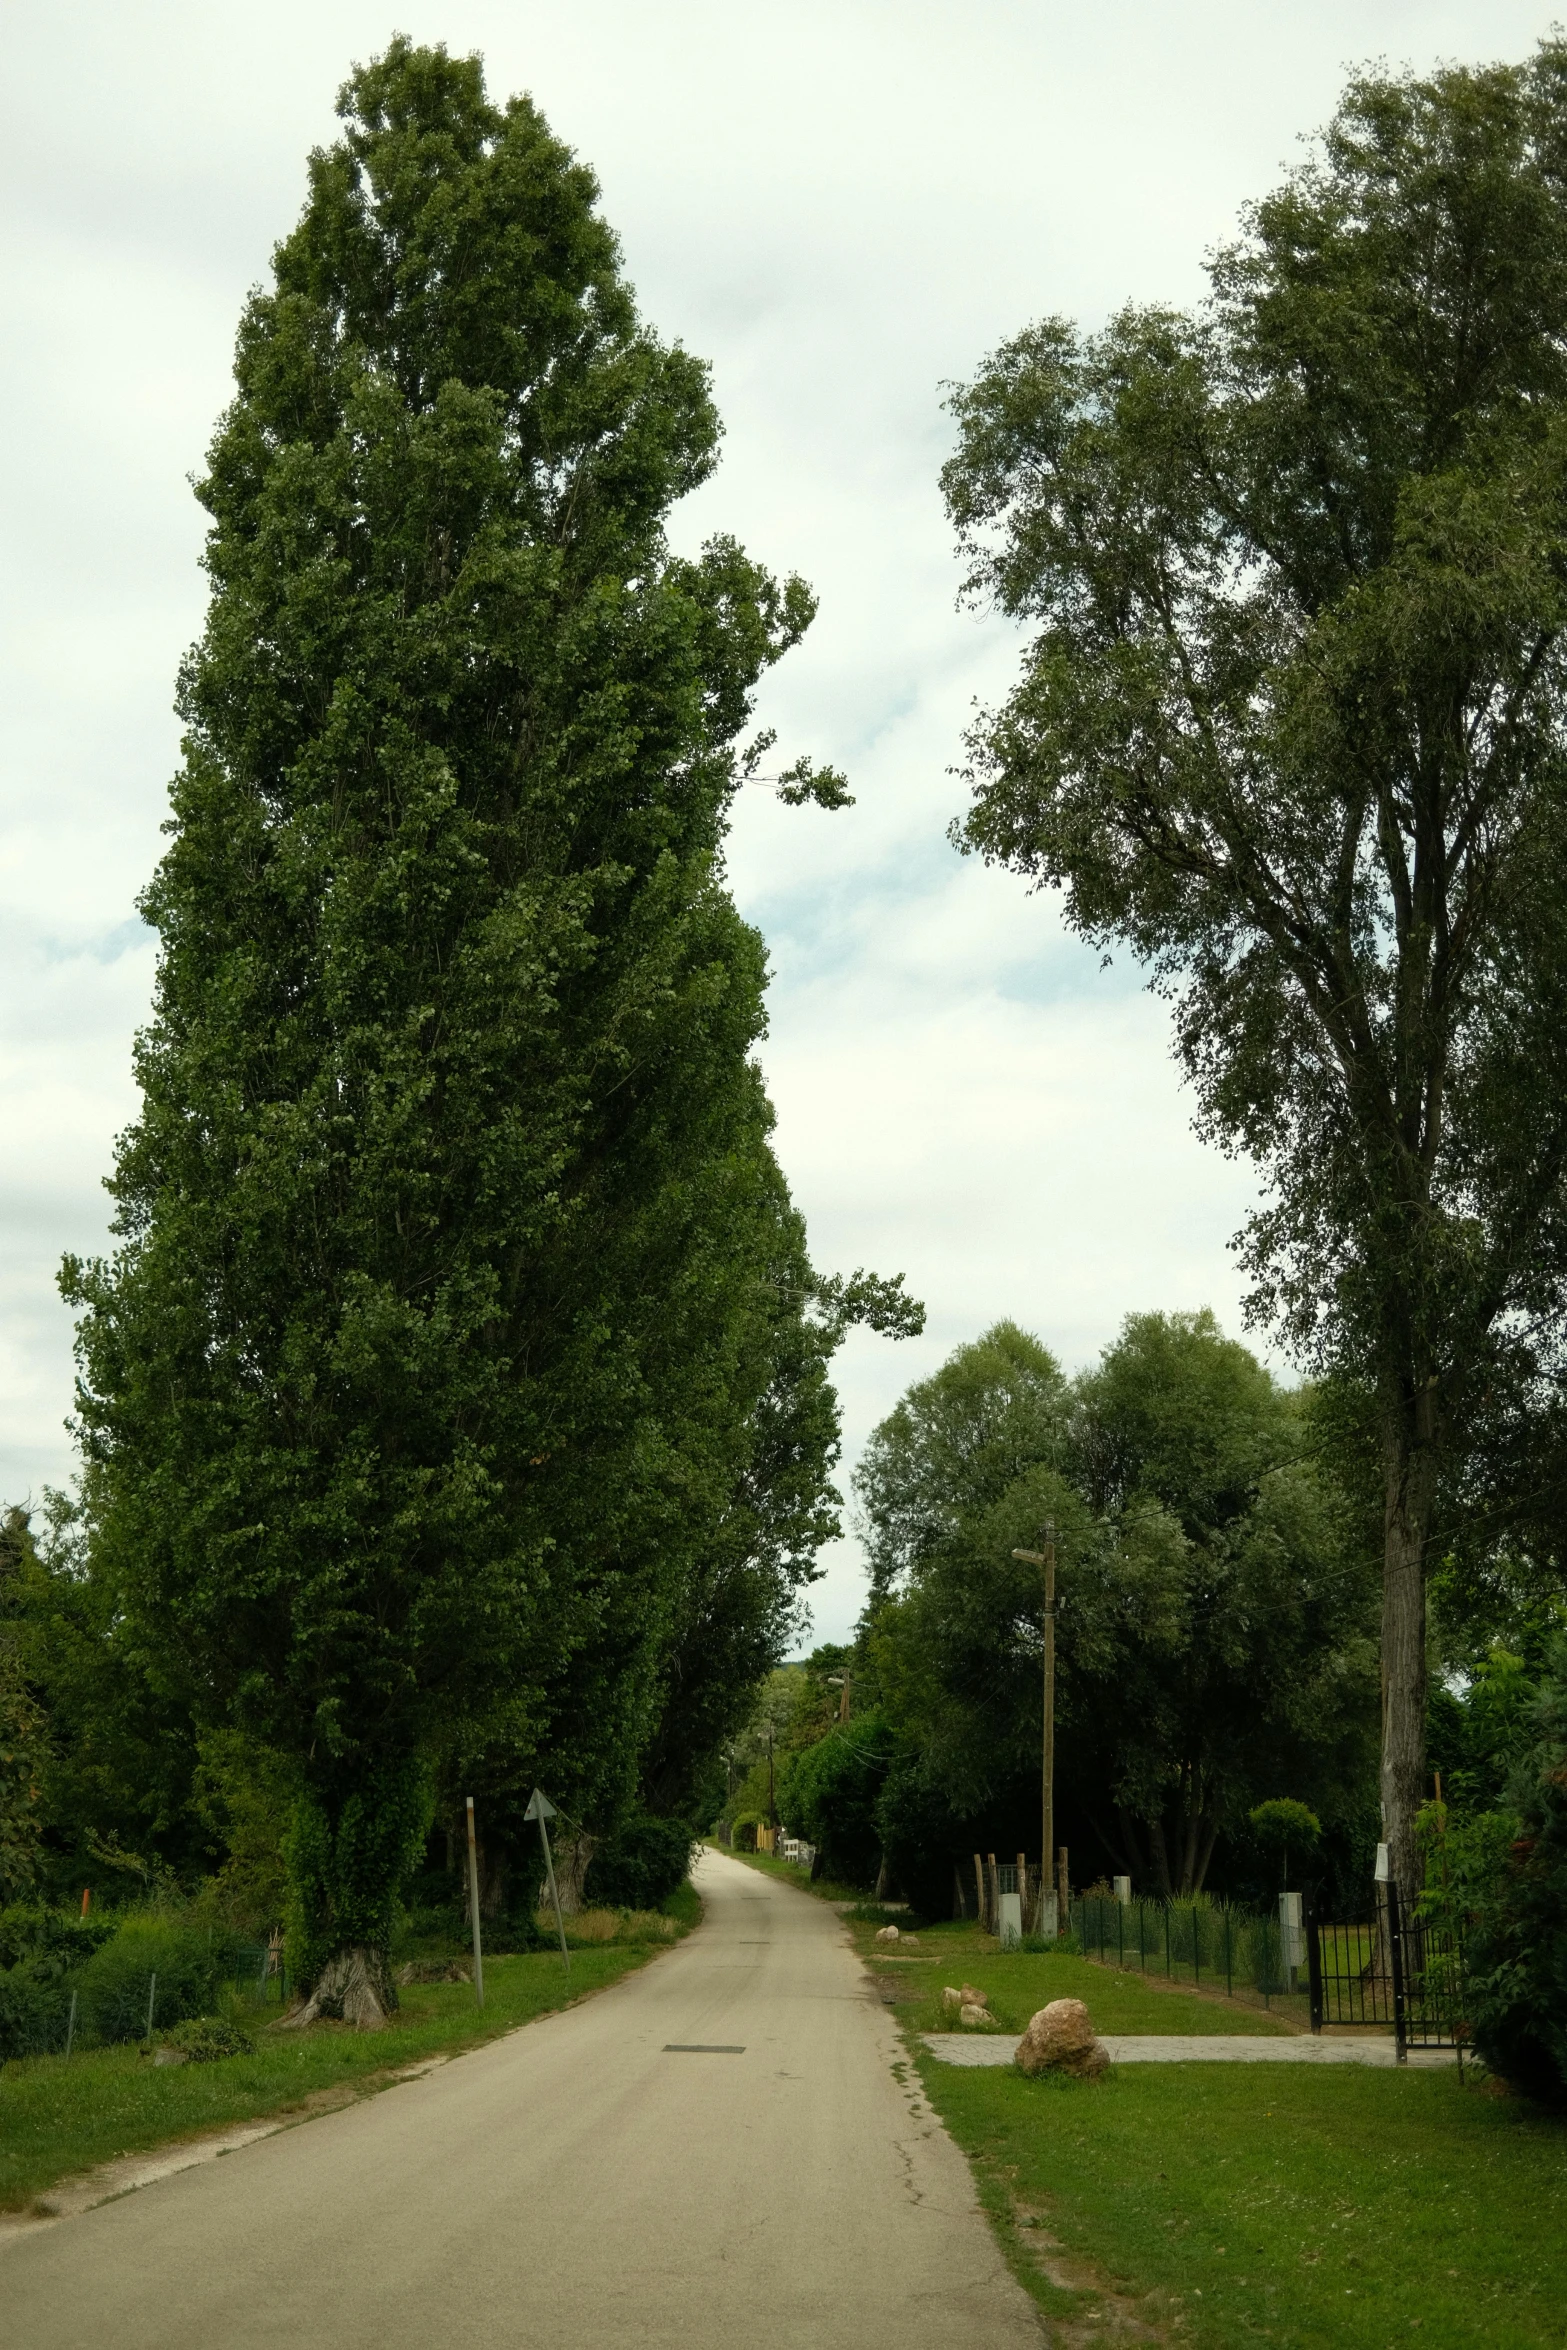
<point x="1410" y="1464"/>
<point x="355" y="1987"/>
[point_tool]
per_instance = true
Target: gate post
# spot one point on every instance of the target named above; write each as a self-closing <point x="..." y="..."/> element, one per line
<point x="1395" y="1946"/>
<point x="1313" y="1964"/>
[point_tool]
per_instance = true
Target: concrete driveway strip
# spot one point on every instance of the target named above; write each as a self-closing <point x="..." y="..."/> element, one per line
<point x="601" y="2178"/>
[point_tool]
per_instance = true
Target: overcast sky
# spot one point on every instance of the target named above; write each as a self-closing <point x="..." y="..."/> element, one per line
<point x="841" y="205"/>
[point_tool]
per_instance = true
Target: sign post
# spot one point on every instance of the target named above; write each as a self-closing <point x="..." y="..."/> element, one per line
<point x="541" y="1809"/>
<point x="473" y="1906"/>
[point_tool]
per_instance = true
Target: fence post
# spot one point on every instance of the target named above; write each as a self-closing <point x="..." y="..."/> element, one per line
<point x="473" y="1908"/>
<point x="1313" y="1963"/>
<point x="1196" y="1947"/>
<point x="70" y="2025"/>
<point x="979" y="1887"/>
<point x="152" y="1993"/>
<point x="1395" y="1947"/>
<point x="1169" y="1970"/>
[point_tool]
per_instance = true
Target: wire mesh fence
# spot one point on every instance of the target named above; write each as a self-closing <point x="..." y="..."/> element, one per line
<point x="102" y="2006"/>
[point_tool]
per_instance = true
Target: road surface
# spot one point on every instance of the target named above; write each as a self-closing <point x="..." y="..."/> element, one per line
<point x="580" y="2185"/>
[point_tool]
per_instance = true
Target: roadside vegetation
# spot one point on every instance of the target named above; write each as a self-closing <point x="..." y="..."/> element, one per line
<point x="61" y="2116"/>
<point x="455" y="1416"/>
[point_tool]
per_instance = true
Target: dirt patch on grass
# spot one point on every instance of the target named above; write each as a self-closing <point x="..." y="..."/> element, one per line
<point x="1096" y="2309"/>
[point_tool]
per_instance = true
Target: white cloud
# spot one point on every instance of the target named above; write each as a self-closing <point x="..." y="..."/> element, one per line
<point x="840" y="204"/>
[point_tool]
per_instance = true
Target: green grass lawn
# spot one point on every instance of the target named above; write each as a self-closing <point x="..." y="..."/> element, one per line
<point x="1317" y="2209"/>
<point x="59" y="2116"/>
<point x="1017" y="1982"/>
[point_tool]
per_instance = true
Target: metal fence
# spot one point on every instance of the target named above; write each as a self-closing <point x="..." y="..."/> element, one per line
<point x="1398" y="1971"/>
<point x="54" y="2018"/>
<point x="1192" y="1942"/>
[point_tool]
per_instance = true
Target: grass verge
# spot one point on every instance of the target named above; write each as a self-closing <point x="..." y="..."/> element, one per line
<point x="1017" y="1982"/>
<point x="1317" y="2209"/>
<point x="60" y="2116"/>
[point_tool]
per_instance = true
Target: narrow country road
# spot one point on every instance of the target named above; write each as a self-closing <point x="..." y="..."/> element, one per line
<point x="577" y="2186"/>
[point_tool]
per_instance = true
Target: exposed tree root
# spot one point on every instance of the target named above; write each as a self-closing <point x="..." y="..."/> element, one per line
<point x="356" y="1986"/>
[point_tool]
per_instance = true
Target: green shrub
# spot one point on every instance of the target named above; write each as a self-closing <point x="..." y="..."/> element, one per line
<point x="1517" y="1940"/>
<point x="114" y="1984"/>
<point x="641" y="1864"/>
<point x="49" y="1941"/>
<point x="205" y="2038"/>
<point x="33" y="2010"/>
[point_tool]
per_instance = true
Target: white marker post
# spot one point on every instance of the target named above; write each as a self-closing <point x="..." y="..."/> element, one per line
<point x="473" y="1906"/>
<point x="541" y="1809"/>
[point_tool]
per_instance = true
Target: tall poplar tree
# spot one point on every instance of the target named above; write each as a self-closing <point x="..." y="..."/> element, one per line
<point x="1294" y="730"/>
<point x="455" y="1270"/>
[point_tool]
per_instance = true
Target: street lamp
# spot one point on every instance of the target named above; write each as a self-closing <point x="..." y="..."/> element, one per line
<point x="843" y="1682"/>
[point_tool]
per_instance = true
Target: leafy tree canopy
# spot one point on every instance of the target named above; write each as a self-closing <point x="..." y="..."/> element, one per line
<point x="456" y="1401"/>
<point x="1213" y="1629"/>
<point x="1291" y="729"/>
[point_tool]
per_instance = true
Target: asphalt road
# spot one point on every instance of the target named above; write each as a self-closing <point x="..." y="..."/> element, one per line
<point x="580" y="2184"/>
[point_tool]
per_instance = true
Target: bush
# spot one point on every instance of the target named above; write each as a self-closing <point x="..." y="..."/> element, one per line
<point x="33" y="2011"/>
<point x="1517" y="1942"/>
<point x="51" y="1942"/>
<point x="206" y="2038"/>
<point x="641" y="1864"/>
<point x="114" y="1984"/>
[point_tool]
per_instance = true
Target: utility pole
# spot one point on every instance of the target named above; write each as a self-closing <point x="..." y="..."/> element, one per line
<point x="842" y="1682"/>
<point x="1046" y="1559"/>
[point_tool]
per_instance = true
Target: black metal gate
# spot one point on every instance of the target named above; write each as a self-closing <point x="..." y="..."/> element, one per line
<point x="1408" y="1973"/>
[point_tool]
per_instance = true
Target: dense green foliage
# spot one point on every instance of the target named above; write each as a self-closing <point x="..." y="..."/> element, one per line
<point x="829" y="1796"/>
<point x="1285" y="1828"/>
<point x="641" y="1864"/>
<point x="1214" y="1636"/>
<point x="1517" y="1910"/>
<point x="1292" y="730"/>
<point x="21" y="1727"/>
<point x="455" y="1407"/>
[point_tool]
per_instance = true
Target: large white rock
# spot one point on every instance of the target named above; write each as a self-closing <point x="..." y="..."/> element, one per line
<point x="1060" y="2038"/>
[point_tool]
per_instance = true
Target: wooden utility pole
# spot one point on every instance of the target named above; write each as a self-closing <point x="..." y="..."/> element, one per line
<point x="1046" y="1559"/>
